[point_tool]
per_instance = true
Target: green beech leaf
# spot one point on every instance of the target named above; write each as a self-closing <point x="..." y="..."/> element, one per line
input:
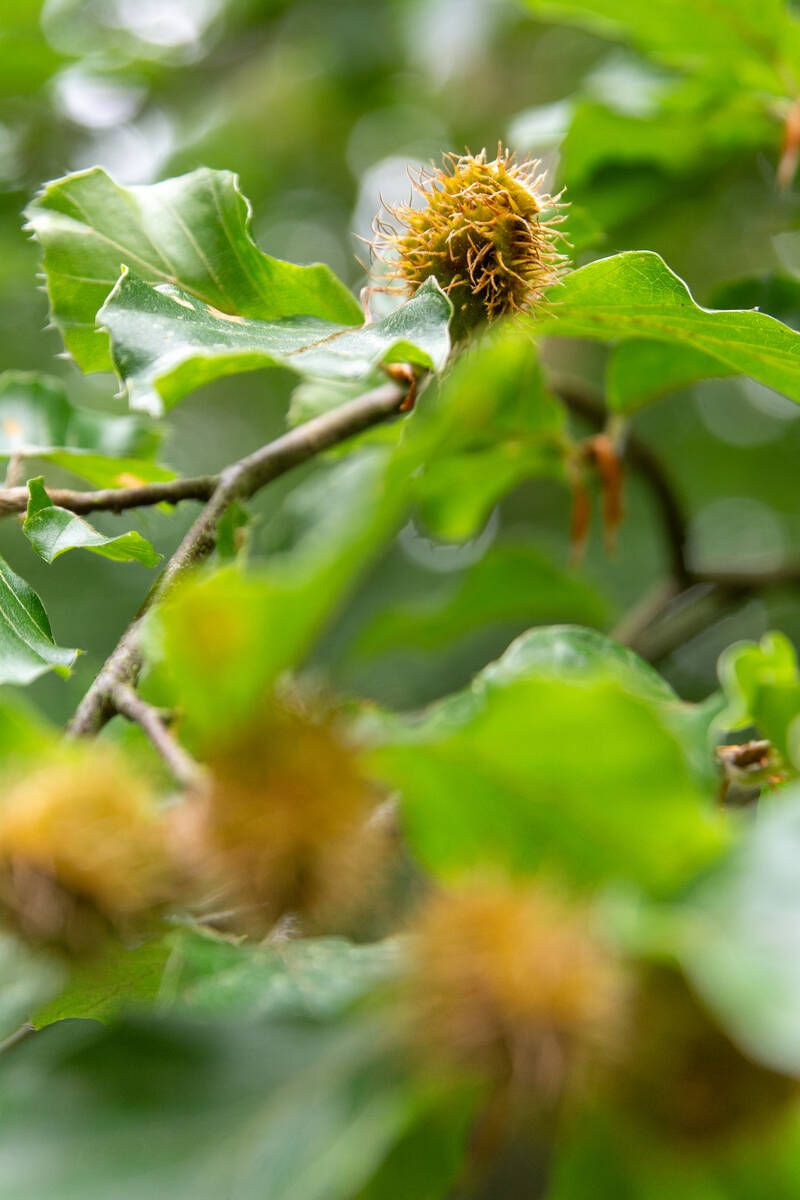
<point x="52" y="530"/>
<point x="192" y="232"/>
<point x="741" y="946"/>
<point x="27" y="648"/>
<point x="564" y="753"/>
<point x="103" y="987"/>
<point x="636" y="295"/>
<point x="38" y="420"/>
<point x="165" y="342"/>
<point x="199" y="973"/>
<point x="640" y="371"/>
<point x="761" y="682"/>
<point x="741" y="39"/>
<point x="312" y="977"/>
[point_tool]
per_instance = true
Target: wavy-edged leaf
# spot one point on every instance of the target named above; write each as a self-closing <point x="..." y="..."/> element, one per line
<point x="38" y="420"/>
<point x="52" y="530"/>
<point x="101" y="988"/>
<point x="192" y="232"/>
<point x="564" y="754"/>
<point x="761" y="683"/>
<point x="166" y="343"/>
<point x="196" y="972"/>
<point x="636" y="295"/>
<point x="27" y="648"/>
<point x="317" y="977"/>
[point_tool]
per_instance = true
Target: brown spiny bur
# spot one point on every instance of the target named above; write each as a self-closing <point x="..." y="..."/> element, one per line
<point x="486" y="231"/>
<point x="82" y="852"/>
<point x="512" y="982"/>
<point x="686" y="1079"/>
<point x="289" y="824"/>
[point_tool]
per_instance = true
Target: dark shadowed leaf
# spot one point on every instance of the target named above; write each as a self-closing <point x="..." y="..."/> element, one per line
<point x="563" y="752"/>
<point x="292" y="1109"/>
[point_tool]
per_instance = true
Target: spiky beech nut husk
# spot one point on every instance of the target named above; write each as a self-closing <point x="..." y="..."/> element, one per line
<point x="487" y="232"/>
<point x="82" y="851"/>
<point x="684" y="1078"/>
<point x="289" y="823"/>
<point x="511" y="981"/>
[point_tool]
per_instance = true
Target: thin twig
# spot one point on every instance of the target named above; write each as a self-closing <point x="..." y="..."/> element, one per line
<point x="201" y="487"/>
<point x="16" y="1037"/>
<point x="14" y="469"/>
<point x="184" y="768"/>
<point x="237" y="482"/>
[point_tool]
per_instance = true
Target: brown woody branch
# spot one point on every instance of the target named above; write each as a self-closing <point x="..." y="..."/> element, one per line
<point x="201" y="487"/>
<point x="237" y="482"/>
<point x="131" y="705"/>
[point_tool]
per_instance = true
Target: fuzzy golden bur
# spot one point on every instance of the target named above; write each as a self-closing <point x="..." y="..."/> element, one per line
<point x="288" y="824"/>
<point x="486" y="231"/>
<point x="82" y="851"/>
<point x="509" y="980"/>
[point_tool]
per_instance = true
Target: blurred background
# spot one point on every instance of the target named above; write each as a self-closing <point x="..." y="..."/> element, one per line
<point x="320" y="108"/>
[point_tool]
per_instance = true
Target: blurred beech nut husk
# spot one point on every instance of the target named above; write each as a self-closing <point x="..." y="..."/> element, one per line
<point x="289" y="823"/>
<point x="82" y="851"/>
<point x="686" y="1079"/>
<point x="511" y="982"/>
<point x="486" y="231"/>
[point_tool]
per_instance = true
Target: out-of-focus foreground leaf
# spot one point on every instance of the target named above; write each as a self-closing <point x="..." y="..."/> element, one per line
<point x="201" y="974"/>
<point x="264" y="620"/>
<point x="741" y="941"/>
<point x="563" y="753"/>
<point x="292" y="1109"/>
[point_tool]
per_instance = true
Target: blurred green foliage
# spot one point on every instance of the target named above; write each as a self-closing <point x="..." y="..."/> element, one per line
<point x="391" y="572"/>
